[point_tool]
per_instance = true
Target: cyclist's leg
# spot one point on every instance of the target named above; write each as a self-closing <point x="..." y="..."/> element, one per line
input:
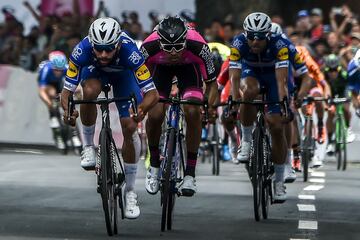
<point x="277" y="132"/>
<point x="124" y="84"/>
<point x="91" y="84"/>
<point x="250" y="86"/>
<point x="319" y="108"/>
<point x="330" y="126"/>
<point x="162" y="77"/>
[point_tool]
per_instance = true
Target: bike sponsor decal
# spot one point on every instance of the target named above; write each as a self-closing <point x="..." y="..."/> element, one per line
<point x="135" y="57"/>
<point x="72" y="71"/>
<point x="283" y="54"/>
<point x="235" y="54"/>
<point x="143" y="73"/>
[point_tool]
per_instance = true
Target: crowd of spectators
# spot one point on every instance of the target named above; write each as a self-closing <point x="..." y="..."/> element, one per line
<point x="341" y="35"/>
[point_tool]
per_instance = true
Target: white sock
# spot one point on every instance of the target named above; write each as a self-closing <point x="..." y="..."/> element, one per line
<point x="130" y="176"/>
<point x="88" y="135"/>
<point x="137" y="145"/>
<point x="246" y="131"/>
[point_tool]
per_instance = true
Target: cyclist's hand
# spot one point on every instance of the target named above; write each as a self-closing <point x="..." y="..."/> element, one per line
<point x="140" y="114"/>
<point x="72" y="120"/>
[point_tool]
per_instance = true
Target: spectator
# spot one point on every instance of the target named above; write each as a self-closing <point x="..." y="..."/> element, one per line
<point x="229" y="33"/>
<point x="317" y="27"/>
<point x="303" y="25"/>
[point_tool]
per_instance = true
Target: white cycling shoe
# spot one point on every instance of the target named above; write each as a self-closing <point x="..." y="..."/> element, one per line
<point x="152" y="180"/>
<point x="132" y="210"/>
<point x="279" y="192"/>
<point x="88" y="158"/>
<point x="188" y="186"/>
<point x="244" y="152"/>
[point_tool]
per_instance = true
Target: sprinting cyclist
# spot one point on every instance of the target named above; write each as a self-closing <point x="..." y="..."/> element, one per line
<point x="50" y="81"/>
<point x="171" y="50"/>
<point x="336" y="77"/>
<point x="354" y="81"/>
<point x="261" y="60"/>
<point x="108" y="56"/>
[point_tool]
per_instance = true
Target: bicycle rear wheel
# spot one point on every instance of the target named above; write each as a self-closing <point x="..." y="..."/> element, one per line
<point x="343" y="150"/>
<point x="166" y="184"/>
<point x="107" y="183"/>
<point x="306" y="151"/>
<point x="266" y="185"/>
<point x="256" y="175"/>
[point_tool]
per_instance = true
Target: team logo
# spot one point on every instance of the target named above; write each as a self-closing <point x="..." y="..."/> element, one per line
<point x="72" y="71"/>
<point x="135" y="58"/>
<point x="234" y="54"/>
<point x="298" y="59"/>
<point x="283" y="54"/>
<point x="143" y="73"/>
<point x="76" y="52"/>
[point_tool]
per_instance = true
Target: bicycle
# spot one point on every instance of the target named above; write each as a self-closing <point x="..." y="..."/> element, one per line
<point x="172" y="168"/>
<point x="308" y="143"/>
<point x="110" y="179"/>
<point x="340" y="132"/>
<point x="210" y="146"/>
<point x="260" y="166"/>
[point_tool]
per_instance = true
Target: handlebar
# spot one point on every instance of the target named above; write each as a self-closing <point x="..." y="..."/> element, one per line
<point x="132" y="99"/>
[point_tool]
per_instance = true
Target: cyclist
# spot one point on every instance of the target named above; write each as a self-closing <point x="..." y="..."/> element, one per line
<point x="171" y="50"/>
<point x="354" y="81"/>
<point x="259" y="58"/>
<point x="108" y="56"/>
<point x="50" y="81"/>
<point x="336" y="77"/>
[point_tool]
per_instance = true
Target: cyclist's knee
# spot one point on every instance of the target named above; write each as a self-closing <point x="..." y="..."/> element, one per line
<point x="156" y="114"/>
<point x="276" y="125"/>
<point x="192" y="112"/>
<point x="91" y="88"/>
<point x="129" y="127"/>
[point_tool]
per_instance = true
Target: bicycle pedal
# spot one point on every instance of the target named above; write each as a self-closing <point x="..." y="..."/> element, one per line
<point x="98" y="190"/>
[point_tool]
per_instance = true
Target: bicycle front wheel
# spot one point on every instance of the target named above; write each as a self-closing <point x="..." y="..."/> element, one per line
<point x="255" y="168"/>
<point x="166" y="184"/>
<point x="107" y="183"/>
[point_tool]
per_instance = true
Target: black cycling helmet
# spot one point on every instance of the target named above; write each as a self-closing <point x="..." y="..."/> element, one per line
<point x="172" y="30"/>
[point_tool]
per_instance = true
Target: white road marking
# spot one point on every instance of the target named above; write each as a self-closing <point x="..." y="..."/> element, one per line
<point x="317" y="180"/>
<point x="311" y="225"/>
<point x="299" y="239"/>
<point x="313" y="187"/>
<point x="28" y="151"/>
<point x="306" y="207"/>
<point x="318" y="174"/>
<point x="307" y="197"/>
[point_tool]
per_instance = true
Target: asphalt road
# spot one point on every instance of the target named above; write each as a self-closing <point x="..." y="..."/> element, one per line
<point x="48" y="196"/>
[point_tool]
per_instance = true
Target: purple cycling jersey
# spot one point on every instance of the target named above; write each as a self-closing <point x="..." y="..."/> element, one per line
<point x="196" y="52"/>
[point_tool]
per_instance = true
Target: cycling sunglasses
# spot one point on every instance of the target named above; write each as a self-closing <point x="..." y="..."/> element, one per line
<point x="256" y="35"/>
<point x="169" y="47"/>
<point x="106" y="48"/>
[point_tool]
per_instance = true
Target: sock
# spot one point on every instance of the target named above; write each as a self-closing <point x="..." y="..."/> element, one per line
<point x="130" y="176"/>
<point x="88" y="135"/>
<point x="246" y="133"/>
<point x="154" y="156"/>
<point x="279" y="172"/>
<point x="191" y="164"/>
<point x="330" y="137"/>
<point x="232" y="135"/>
<point x="289" y="157"/>
<point x="137" y="145"/>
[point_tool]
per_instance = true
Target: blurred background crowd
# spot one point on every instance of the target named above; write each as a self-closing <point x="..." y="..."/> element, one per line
<point x="339" y="34"/>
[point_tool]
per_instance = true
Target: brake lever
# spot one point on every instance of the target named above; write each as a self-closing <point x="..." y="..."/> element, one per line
<point x="230" y="104"/>
<point x="134" y="105"/>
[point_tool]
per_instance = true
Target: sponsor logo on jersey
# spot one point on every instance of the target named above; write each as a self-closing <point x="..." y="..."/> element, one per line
<point x="144" y="52"/>
<point x="76" y="52"/>
<point x="206" y="55"/>
<point x="237" y="43"/>
<point x="135" y="57"/>
<point x="280" y="44"/>
<point x="143" y="73"/>
<point x="283" y="54"/>
<point x="72" y="71"/>
<point x="234" y="54"/>
<point x="298" y="59"/>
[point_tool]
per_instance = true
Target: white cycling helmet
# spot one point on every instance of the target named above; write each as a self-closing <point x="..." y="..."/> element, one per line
<point x="104" y="31"/>
<point x="257" y="22"/>
<point x="276" y="28"/>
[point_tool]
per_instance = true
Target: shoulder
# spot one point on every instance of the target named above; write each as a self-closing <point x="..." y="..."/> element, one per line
<point x="193" y="35"/>
<point x="82" y="52"/>
<point x="239" y="41"/>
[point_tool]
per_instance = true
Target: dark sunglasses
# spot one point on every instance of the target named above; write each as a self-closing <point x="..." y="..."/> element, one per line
<point x="255" y="35"/>
<point x="168" y="47"/>
<point x="106" y="48"/>
<point x="333" y="69"/>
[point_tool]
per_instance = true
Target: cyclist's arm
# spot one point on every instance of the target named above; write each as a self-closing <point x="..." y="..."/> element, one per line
<point x="211" y="91"/>
<point x="282" y="69"/>
<point x="42" y="82"/>
<point x="235" y="72"/>
<point x="44" y="96"/>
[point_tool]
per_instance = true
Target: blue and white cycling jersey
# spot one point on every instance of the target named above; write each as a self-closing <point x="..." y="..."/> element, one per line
<point x="46" y="74"/>
<point x="354" y="73"/>
<point x="128" y="58"/>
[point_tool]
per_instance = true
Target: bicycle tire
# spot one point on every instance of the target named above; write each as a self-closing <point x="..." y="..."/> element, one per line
<point x="165" y="188"/>
<point x="266" y="186"/>
<point x="256" y="158"/>
<point x="170" y="205"/>
<point x="107" y="183"/>
<point x="306" y="153"/>
<point x="344" y="143"/>
<point x="338" y="150"/>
